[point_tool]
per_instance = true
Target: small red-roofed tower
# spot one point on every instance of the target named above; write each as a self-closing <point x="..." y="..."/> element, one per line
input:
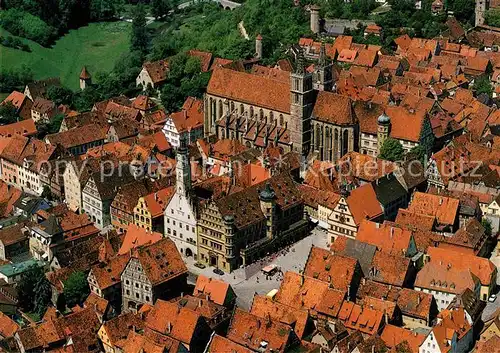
<point x="85" y="78"/>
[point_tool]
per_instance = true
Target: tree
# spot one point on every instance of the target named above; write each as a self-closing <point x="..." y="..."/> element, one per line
<point x="8" y="113"/>
<point x="60" y="95"/>
<point x="76" y="289"/>
<point x="34" y="291"/>
<point x="488" y="230"/>
<point x="139" y="37"/>
<point x="43" y="295"/>
<point x="391" y="150"/>
<point x="418" y="152"/>
<point x="55" y="124"/>
<point x="482" y="84"/>
<point x="492" y="17"/>
<point x="160" y="8"/>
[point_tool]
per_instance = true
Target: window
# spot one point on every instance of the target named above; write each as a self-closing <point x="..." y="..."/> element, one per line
<point x="127" y="282"/>
<point x="187" y="227"/>
<point x="137" y="295"/>
<point x="128" y="292"/>
<point x="137" y="285"/>
<point x="147" y="298"/>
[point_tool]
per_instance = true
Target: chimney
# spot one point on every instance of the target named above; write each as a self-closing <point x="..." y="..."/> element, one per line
<point x="169" y="327"/>
<point x="302" y="279"/>
<point x="418" y="300"/>
<point x="392" y="232"/>
<point x="182" y="294"/>
<point x="377" y="225"/>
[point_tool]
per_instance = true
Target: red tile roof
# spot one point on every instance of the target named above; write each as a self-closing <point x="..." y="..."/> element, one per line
<point x="216" y="290"/>
<point x="360" y="318"/>
<point x="24" y="127"/>
<point x="252" y="89"/>
<point x="265" y="307"/>
<point x="339" y="271"/>
<point x="219" y="344"/>
<point x="364" y="204"/>
<point x="250" y="330"/>
<point x="395" y="241"/>
<point x="333" y="108"/>
<point x="302" y="292"/>
<point x="137" y="236"/>
<point x="157" y="70"/>
<point x="393" y="335"/>
<point x="8" y="327"/>
<point x="205" y="58"/>
<point x="445" y="209"/>
<point x="190" y="117"/>
<point x="169" y="319"/>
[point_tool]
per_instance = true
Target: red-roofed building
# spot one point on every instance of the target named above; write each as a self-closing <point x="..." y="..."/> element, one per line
<point x="361" y="318"/>
<point x="153" y="74"/>
<point x="218" y="291"/>
<point x="21" y="102"/>
<point x="354" y="207"/>
<point x="186" y="124"/>
<point x="25" y="128"/>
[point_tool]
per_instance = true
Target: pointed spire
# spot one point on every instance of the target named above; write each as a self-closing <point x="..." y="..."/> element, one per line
<point x="300" y="69"/>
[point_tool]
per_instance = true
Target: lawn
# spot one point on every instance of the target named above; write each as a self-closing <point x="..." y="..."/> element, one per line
<point x="96" y="46"/>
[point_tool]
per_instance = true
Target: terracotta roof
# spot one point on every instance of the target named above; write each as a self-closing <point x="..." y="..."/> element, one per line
<point x="84" y="74"/>
<point x="108" y="274"/>
<point x="190" y="117"/>
<point x="157" y="70"/>
<point x="219" y="344"/>
<point x="366" y="58"/>
<point x="220" y="62"/>
<point x="414" y="220"/>
<point x="264" y="307"/>
<point x="78" y="136"/>
<point x="8" y="327"/>
<point x="143" y="103"/>
<point x="250" y="330"/>
<point x="100" y="305"/>
<point x="439" y="276"/>
<point x="137" y="236"/>
<point x="252" y="89"/>
<point x="395" y="241"/>
<point x="43" y="106"/>
<point x="14" y="234"/>
<point x="216" y="290"/>
<point x="481" y="267"/>
<point x="452" y="322"/>
<point x="363" y="203"/>
<point x="16" y="99"/>
<point x="161" y="261"/>
<point x="333" y="108"/>
<point x="24" y="127"/>
<point x="302" y="292"/>
<point x="177" y="322"/>
<point x="157" y="202"/>
<point x="445" y="209"/>
<point x="360" y="318"/>
<point x="389" y="269"/>
<point x="405" y="124"/>
<point x="403" y="41"/>
<point x="118" y="327"/>
<point x="393" y="335"/>
<point x="487" y="346"/>
<point x="364" y="167"/>
<point x="339" y="271"/>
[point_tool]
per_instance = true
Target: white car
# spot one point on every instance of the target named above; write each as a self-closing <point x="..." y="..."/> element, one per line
<point x="492" y="298"/>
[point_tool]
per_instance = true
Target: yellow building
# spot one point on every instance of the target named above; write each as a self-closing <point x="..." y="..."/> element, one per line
<point x="239" y="228"/>
<point x="148" y="213"/>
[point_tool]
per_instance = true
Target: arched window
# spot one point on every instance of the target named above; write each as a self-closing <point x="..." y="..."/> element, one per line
<point x="232" y="107"/>
<point x="251" y="111"/>
<point x="242" y="109"/>
<point x="282" y="120"/>
<point x="271" y="117"/>
<point x="220" y="108"/>
<point x="261" y="115"/>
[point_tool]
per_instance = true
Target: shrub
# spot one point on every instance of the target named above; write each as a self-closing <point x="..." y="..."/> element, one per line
<point x="23" y="24"/>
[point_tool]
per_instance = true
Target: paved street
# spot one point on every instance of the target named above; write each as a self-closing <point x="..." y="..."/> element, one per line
<point x="491" y="308"/>
<point x="249" y="280"/>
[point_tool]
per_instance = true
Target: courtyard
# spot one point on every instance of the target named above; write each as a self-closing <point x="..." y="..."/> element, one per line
<point x="250" y="280"/>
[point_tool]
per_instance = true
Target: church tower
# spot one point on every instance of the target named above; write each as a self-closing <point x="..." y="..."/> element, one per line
<point x="301" y="104"/>
<point x="383" y="130"/>
<point x="323" y="78"/>
<point x="183" y="169"/>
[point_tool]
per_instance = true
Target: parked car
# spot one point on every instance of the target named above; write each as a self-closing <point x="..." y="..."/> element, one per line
<point x="199" y="265"/>
<point x="492" y="298"/>
<point x="219" y="272"/>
